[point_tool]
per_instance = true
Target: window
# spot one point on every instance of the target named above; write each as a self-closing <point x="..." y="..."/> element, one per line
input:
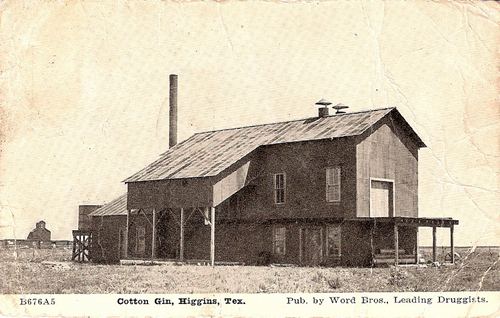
<point x="279" y="236"/>
<point x="279" y="188"/>
<point x="140" y="240"/>
<point x="333" y="239"/>
<point x="333" y="184"/>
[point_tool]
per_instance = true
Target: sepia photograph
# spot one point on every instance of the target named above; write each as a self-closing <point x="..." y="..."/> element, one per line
<point x="310" y="152"/>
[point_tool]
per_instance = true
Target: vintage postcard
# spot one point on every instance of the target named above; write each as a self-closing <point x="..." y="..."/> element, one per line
<point x="249" y="159"/>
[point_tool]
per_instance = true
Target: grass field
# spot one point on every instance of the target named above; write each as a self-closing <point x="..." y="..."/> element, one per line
<point x="24" y="272"/>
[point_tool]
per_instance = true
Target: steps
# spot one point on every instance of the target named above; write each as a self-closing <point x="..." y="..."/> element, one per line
<point x="386" y="257"/>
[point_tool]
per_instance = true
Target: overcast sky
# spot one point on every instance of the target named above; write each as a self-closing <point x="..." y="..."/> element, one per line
<point x="84" y="92"/>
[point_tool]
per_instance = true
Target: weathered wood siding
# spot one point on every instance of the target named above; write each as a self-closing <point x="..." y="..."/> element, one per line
<point x="387" y="152"/>
<point x="105" y="246"/>
<point x="305" y="167"/>
<point x="238" y="176"/>
<point x="177" y="193"/>
<point x="84" y="220"/>
<point x="356" y="246"/>
<point x="234" y="242"/>
<point x="303" y="163"/>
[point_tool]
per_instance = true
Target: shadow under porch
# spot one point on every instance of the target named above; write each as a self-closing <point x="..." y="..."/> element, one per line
<point x="390" y="240"/>
<point x="229" y="241"/>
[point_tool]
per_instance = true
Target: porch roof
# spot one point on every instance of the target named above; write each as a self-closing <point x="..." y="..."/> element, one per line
<point x="410" y="221"/>
<point x="116" y="207"/>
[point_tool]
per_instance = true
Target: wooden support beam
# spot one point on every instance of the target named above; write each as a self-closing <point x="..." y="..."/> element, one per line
<point x="371" y="244"/>
<point x="73" y="256"/>
<point x="186" y="219"/>
<point x="145" y="216"/>
<point x="181" y="241"/>
<point x="174" y="217"/>
<point x="79" y="247"/>
<point x="417" y="250"/>
<point x="396" y="245"/>
<point x="153" y="240"/>
<point x="433" y="243"/>
<point x="127" y="233"/>
<point x="206" y="216"/>
<point x="212" y="236"/>
<point x="452" y="246"/>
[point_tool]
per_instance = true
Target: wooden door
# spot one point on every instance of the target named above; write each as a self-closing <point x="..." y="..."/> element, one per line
<point x="312" y="246"/>
<point x="123" y="243"/>
<point x="381" y="203"/>
<point x="140" y="243"/>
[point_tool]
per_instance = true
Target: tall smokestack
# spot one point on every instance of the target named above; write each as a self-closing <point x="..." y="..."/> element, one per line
<point x="172" y="132"/>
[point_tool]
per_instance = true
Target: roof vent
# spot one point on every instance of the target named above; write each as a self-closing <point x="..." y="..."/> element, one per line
<point x="339" y="108"/>
<point x="323" y="111"/>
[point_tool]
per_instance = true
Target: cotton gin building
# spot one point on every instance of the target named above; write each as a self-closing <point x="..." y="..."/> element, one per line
<point x="329" y="190"/>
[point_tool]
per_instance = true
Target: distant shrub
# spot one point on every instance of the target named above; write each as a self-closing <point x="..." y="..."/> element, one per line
<point x="334" y="283"/>
<point x="318" y="277"/>
<point x="263" y="288"/>
<point x="397" y="277"/>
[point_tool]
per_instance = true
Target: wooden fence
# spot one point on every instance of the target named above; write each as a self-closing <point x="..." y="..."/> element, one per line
<point x="11" y="243"/>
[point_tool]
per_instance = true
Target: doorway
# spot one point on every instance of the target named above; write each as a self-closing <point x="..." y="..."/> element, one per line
<point x="123" y="243"/>
<point x="311" y="246"/>
<point x="381" y="198"/>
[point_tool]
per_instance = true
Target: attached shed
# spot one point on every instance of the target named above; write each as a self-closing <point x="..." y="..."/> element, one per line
<point x="109" y="228"/>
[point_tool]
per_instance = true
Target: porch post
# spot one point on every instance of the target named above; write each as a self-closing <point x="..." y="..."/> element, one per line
<point x="126" y="233"/>
<point x="181" y="251"/>
<point x="153" y="243"/>
<point x="452" y="246"/>
<point x="212" y="236"/>
<point x="372" y="225"/>
<point x="433" y="243"/>
<point x="396" y="244"/>
<point x="417" y="250"/>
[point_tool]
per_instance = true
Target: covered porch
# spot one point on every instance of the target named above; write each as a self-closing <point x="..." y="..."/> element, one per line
<point x="159" y="235"/>
<point x="162" y="213"/>
<point x="393" y="226"/>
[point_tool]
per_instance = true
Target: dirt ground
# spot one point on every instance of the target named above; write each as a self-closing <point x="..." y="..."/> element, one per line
<point x="51" y="271"/>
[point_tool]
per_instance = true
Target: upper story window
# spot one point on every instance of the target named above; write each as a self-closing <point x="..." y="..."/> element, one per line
<point x="279" y="188"/>
<point x="333" y="184"/>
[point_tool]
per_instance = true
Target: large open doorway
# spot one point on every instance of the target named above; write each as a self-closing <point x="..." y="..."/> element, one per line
<point x="381" y="198"/>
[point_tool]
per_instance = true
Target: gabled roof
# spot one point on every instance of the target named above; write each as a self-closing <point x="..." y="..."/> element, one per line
<point x="209" y="153"/>
<point x="116" y="207"/>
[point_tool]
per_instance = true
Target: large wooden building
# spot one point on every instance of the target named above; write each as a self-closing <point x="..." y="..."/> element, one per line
<point x="330" y="190"/>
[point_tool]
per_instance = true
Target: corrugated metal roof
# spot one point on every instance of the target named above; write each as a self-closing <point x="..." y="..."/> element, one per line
<point x="116" y="207"/>
<point x="209" y="153"/>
